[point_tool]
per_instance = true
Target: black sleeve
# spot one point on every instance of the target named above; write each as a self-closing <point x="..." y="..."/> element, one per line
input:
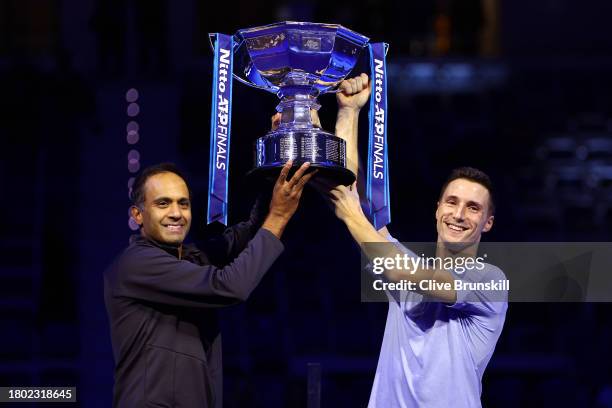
<point x="151" y="274"/>
<point x="223" y="248"/>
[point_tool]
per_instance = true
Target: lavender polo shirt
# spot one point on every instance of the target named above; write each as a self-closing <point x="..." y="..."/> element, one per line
<point x="434" y="354"/>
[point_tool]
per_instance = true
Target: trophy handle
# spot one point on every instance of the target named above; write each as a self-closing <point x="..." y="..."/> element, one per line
<point x="252" y="85"/>
<point x="212" y="37"/>
<point x="337" y="90"/>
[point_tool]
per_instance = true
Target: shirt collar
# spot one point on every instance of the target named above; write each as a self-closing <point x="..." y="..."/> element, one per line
<point x="189" y="250"/>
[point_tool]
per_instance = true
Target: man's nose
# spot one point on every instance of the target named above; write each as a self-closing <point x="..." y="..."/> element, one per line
<point x="459" y="212"/>
<point x="174" y="211"/>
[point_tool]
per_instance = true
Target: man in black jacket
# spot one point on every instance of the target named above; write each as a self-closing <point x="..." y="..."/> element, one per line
<point x="161" y="295"/>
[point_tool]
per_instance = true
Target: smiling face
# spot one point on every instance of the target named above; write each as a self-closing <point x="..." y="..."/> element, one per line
<point x="165" y="215"/>
<point x="463" y="212"/>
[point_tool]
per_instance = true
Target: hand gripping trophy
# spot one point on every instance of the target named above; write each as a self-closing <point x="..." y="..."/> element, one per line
<point x="297" y="61"/>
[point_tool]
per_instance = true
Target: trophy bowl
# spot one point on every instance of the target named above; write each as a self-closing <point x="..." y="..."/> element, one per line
<point x="298" y="61"/>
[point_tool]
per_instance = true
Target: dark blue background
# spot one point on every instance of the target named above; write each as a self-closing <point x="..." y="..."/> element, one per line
<point x="531" y="108"/>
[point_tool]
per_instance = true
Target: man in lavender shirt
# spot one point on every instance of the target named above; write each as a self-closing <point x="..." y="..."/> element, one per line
<point x="437" y="342"/>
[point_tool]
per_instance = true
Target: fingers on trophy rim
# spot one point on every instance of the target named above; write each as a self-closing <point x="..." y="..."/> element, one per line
<point x="307" y="178"/>
<point x="299" y="173"/>
<point x="285" y="170"/>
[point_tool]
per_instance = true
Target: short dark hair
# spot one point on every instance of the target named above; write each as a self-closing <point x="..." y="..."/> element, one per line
<point x="137" y="192"/>
<point x="475" y="175"/>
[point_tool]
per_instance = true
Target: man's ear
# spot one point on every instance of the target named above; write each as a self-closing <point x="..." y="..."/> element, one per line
<point x="136" y="214"/>
<point x="488" y="224"/>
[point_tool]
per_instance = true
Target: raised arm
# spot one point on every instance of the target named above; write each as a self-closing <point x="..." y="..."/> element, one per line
<point x="221" y="249"/>
<point x="348" y="209"/>
<point x="149" y="273"/>
<point x="354" y="94"/>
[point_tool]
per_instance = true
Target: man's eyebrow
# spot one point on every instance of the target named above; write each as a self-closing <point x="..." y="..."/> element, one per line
<point x="471" y="202"/>
<point x="158" y="199"/>
<point x="168" y="199"/>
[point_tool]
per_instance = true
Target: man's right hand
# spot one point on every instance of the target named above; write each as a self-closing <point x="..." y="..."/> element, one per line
<point x="354" y="93"/>
<point x="286" y="197"/>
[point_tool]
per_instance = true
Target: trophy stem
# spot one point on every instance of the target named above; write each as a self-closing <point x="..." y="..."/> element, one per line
<point x="295" y="111"/>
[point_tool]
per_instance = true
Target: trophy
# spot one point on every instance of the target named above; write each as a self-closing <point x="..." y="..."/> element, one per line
<point x="297" y="61"/>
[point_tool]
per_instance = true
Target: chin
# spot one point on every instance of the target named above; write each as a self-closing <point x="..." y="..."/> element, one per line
<point x="456" y="245"/>
<point x="173" y="240"/>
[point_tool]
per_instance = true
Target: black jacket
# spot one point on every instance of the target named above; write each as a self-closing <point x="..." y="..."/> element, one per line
<point x="162" y="311"/>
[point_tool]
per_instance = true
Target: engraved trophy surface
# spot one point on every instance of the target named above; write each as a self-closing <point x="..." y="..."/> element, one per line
<point x="298" y="61"/>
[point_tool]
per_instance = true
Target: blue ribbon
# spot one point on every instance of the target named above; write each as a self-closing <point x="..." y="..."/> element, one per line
<point x="377" y="179"/>
<point x="220" y="129"/>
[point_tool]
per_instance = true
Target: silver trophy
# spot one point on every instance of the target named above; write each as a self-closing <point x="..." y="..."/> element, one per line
<point x="298" y="61"/>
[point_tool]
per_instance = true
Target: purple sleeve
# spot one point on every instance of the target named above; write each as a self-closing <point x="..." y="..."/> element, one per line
<point x="482" y="302"/>
<point x="484" y="314"/>
<point x="151" y="274"/>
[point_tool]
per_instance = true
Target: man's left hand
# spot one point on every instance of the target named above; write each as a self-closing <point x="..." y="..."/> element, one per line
<point x="346" y="204"/>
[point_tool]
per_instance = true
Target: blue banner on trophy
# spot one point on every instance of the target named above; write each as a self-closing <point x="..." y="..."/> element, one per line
<point x="220" y="129"/>
<point x="298" y="61"/>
